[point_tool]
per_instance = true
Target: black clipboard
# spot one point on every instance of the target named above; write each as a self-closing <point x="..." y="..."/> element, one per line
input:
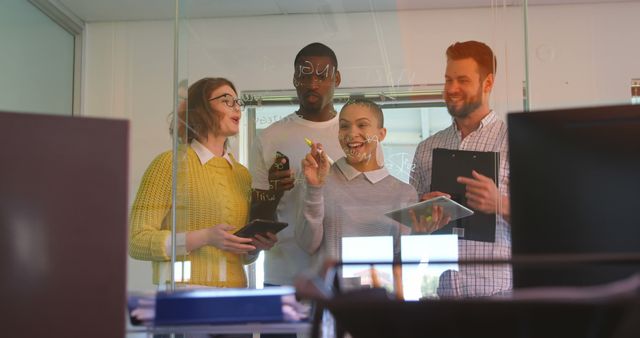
<point x="447" y="166"/>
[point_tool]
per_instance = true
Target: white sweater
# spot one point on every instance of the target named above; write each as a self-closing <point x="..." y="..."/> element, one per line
<point x="349" y="204"/>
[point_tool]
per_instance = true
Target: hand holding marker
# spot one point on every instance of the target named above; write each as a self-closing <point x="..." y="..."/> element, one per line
<point x="310" y="144"/>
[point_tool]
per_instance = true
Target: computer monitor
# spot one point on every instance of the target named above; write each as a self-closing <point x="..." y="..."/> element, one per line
<point x="575" y="189"/>
<point x="63" y="226"/>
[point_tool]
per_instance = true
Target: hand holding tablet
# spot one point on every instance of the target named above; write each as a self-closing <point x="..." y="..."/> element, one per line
<point x="430" y="215"/>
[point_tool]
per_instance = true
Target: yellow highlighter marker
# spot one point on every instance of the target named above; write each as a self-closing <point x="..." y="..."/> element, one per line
<point x="310" y="144"/>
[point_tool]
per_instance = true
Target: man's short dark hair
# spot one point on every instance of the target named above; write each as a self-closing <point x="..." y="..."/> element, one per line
<point x="316" y="49"/>
<point x="479" y="52"/>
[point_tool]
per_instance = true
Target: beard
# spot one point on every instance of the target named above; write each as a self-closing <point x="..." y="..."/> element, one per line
<point x="470" y="105"/>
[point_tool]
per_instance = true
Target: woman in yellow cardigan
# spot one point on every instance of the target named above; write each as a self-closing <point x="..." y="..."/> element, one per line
<point x="214" y="192"/>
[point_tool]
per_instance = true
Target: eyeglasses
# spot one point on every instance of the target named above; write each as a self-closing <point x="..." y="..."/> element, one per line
<point x="229" y="100"/>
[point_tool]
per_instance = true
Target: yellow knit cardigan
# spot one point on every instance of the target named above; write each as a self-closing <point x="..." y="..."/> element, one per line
<point x="208" y="194"/>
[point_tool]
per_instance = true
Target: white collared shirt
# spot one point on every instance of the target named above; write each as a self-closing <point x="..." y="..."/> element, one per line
<point x="349" y="204"/>
<point x="204" y="154"/>
<point x="349" y="172"/>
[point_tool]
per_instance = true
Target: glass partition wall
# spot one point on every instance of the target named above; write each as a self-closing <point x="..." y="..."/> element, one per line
<point x="548" y="56"/>
<point x="388" y="52"/>
<point x="577" y="55"/>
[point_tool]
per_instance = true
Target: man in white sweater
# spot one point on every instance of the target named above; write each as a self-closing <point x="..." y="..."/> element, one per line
<point x="278" y="191"/>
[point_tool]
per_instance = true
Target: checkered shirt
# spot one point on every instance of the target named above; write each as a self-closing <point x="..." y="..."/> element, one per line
<point x="472" y="281"/>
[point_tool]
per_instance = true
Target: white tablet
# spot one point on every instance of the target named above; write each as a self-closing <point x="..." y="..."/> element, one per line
<point x="425" y="208"/>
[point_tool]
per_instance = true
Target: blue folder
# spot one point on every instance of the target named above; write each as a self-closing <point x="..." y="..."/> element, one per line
<point x="220" y="306"/>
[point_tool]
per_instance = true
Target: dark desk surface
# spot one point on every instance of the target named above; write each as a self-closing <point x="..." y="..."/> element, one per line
<point x="226" y="329"/>
<point x="488" y="318"/>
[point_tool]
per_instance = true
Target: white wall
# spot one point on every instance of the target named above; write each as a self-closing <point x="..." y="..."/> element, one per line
<point x="580" y="54"/>
<point x="583" y="55"/>
<point x="128" y="74"/>
<point x="36" y="61"/>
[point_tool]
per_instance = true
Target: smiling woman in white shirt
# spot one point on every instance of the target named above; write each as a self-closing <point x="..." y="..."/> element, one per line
<point x="350" y="197"/>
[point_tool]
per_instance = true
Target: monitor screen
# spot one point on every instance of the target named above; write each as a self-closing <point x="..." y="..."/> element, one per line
<point x="63" y="225"/>
<point x="575" y="189"/>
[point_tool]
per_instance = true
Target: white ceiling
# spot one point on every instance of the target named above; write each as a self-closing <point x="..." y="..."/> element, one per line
<point x="119" y="10"/>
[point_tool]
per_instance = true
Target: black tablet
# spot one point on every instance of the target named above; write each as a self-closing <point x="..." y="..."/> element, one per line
<point x="260" y="226"/>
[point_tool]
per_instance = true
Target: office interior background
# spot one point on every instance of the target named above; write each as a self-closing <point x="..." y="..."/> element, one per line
<point x="125" y="60"/>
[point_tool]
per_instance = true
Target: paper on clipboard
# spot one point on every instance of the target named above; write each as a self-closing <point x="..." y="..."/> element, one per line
<point x="425" y="208"/>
